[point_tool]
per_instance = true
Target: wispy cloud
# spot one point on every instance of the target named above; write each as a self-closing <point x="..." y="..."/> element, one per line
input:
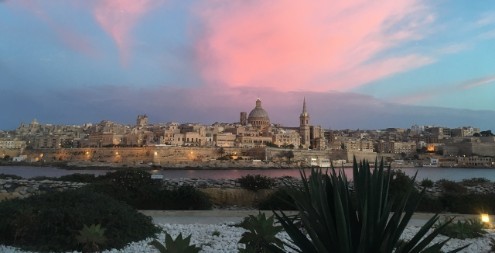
<point x="488" y="35"/>
<point x="436" y="91"/>
<point x="485" y="19"/>
<point x="454" y="48"/>
<point x="476" y="83"/>
<point x="118" y="17"/>
<point x="69" y="36"/>
<point x="308" y="45"/>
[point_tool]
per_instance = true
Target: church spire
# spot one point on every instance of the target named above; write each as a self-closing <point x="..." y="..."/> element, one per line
<point x="304" y="106"/>
<point x="304" y="111"/>
<point x="304" y="127"/>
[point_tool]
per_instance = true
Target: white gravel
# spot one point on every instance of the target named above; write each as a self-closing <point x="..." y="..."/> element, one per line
<point x="204" y="236"/>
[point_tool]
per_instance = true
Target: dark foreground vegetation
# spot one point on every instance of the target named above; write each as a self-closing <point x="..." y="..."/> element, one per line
<point x="52" y="222"/>
<point x="453" y="197"/>
<point x="136" y="188"/>
<point x="101" y="215"/>
<point x="367" y="215"/>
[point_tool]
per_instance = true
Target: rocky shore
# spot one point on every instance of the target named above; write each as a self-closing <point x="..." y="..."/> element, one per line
<point x="21" y="188"/>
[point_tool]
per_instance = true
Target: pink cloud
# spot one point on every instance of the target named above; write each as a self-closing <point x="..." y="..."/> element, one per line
<point x="307" y="45"/>
<point x="118" y="17"/>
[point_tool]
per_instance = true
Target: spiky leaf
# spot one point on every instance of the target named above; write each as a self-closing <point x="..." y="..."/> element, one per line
<point x="338" y="219"/>
<point x="177" y="245"/>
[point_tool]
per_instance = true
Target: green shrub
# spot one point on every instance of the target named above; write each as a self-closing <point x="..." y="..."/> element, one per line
<point x="144" y="197"/>
<point x="188" y="198"/>
<point x="451" y="187"/>
<point x="130" y="179"/>
<point x="51" y="222"/>
<point x="132" y="186"/>
<point x="474" y="181"/>
<point x="426" y="183"/>
<point x="256" y="182"/>
<point x="463" y="229"/>
<point x="399" y="183"/>
<point x="278" y="200"/>
<point x="78" y="177"/>
<point x="260" y="235"/>
<point x="41" y="178"/>
<point x="473" y="203"/>
<point x="155" y="197"/>
<point x="8" y="176"/>
<point x="429" y="204"/>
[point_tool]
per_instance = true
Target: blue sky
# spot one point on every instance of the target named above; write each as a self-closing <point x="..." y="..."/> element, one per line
<point x="359" y="64"/>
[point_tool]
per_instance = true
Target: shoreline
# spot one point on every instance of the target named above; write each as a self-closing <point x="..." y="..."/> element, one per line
<point x="230" y="166"/>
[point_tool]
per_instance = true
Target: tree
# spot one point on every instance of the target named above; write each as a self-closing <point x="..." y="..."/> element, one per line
<point x="486" y="133"/>
<point x="271" y="144"/>
<point x="288" y="155"/>
<point x="221" y="151"/>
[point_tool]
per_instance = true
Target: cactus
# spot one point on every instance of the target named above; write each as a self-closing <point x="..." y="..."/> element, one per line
<point x="91" y="237"/>
<point x="177" y="245"/>
<point x="261" y="233"/>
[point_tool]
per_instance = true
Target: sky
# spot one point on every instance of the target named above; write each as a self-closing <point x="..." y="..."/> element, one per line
<point x="359" y="64"/>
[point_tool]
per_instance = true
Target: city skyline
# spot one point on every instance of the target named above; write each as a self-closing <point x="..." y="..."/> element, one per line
<point x="359" y="64"/>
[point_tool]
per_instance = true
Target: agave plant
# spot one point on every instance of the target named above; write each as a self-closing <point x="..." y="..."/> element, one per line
<point x="261" y="232"/>
<point x="179" y="245"/>
<point x="336" y="218"/>
<point x="91" y="237"/>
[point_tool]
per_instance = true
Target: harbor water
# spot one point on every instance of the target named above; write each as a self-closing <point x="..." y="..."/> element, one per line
<point x="454" y="174"/>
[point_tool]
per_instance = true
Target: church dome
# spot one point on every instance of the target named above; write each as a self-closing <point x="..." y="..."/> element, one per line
<point x="258" y="113"/>
<point x="258" y="117"/>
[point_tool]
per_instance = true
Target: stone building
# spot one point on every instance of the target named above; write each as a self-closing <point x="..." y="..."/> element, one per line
<point x="286" y="138"/>
<point x="395" y="147"/>
<point x="12" y="144"/>
<point x="142" y="121"/>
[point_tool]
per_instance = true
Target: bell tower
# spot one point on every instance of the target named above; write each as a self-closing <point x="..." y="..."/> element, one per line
<point x="304" y="130"/>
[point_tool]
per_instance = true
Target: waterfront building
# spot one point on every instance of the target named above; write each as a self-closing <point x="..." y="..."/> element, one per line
<point x="394" y="147"/>
<point x="475" y="161"/>
<point x="12" y="144"/>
